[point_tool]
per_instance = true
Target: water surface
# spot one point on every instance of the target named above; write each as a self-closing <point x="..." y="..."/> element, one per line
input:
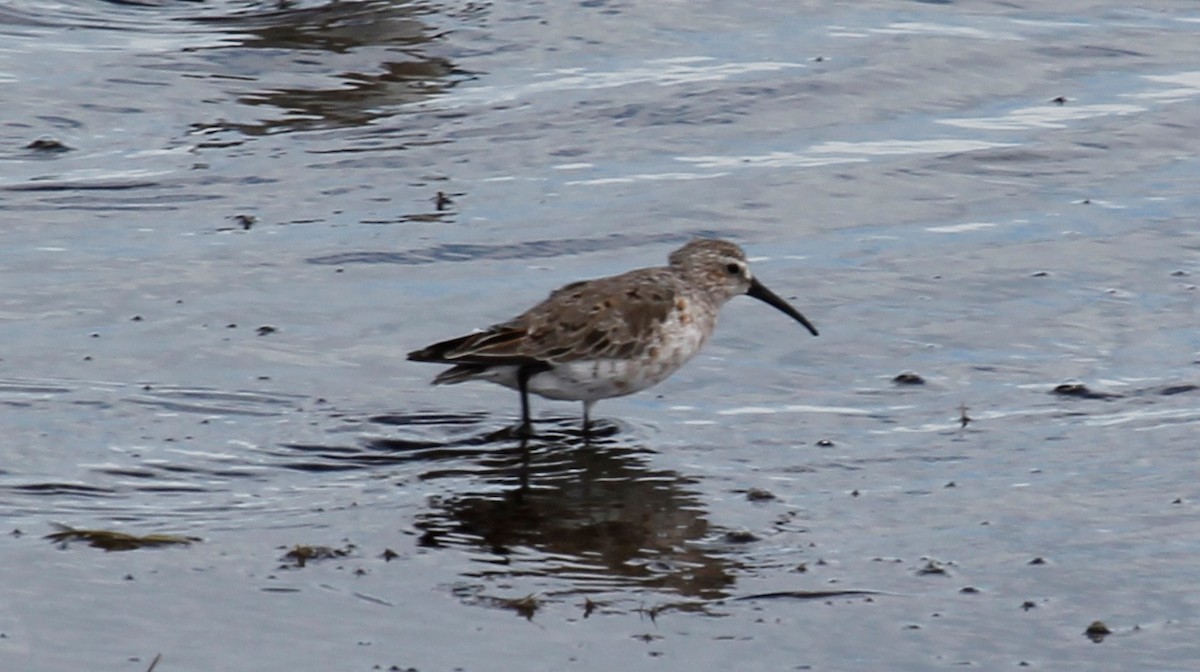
<point x="222" y="234"/>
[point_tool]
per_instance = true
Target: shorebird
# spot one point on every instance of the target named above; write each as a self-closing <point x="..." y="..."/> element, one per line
<point x="608" y="337"/>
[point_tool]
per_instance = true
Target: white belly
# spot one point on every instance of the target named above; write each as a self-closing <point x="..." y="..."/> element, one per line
<point x="598" y="379"/>
<point x="590" y="380"/>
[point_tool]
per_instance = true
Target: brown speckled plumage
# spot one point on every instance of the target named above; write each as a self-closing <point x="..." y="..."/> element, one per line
<point x="607" y="337"/>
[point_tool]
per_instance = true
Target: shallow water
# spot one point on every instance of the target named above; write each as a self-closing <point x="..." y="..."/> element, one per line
<point x="906" y="174"/>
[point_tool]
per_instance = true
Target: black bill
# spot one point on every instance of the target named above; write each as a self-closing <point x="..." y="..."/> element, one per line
<point x="760" y="292"/>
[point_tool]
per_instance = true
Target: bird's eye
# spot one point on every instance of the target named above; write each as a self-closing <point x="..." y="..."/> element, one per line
<point x="733" y="269"/>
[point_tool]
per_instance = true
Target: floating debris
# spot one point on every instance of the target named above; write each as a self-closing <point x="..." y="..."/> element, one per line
<point x="110" y="540"/>
<point x="807" y="594"/>
<point x="525" y="607"/>
<point x="590" y="606"/>
<point x="740" y="537"/>
<point x="653" y="612"/>
<point x="759" y="495"/>
<point x="1083" y="392"/>
<point x="1097" y="631"/>
<point x="932" y="567"/>
<point x="301" y="554"/>
<point x="48" y="144"/>
<point x="908" y="378"/>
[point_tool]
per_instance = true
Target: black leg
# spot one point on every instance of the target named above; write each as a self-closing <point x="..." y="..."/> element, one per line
<point x="523" y="475"/>
<point x="587" y="421"/>
<point x="523" y="375"/>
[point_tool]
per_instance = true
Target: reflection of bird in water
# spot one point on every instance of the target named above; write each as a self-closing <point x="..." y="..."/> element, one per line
<point x="601" y="518"/>
<point x="608" y="337"/>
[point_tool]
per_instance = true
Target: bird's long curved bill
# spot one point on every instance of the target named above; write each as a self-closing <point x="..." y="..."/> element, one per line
<point x="760" y="292"/>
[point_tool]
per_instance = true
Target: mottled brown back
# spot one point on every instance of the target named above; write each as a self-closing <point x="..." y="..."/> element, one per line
<point x="592" y="319"/>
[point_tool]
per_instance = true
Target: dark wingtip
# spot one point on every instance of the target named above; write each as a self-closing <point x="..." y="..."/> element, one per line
<point x="439" y="353"/>
<point x="435" y="354"/>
